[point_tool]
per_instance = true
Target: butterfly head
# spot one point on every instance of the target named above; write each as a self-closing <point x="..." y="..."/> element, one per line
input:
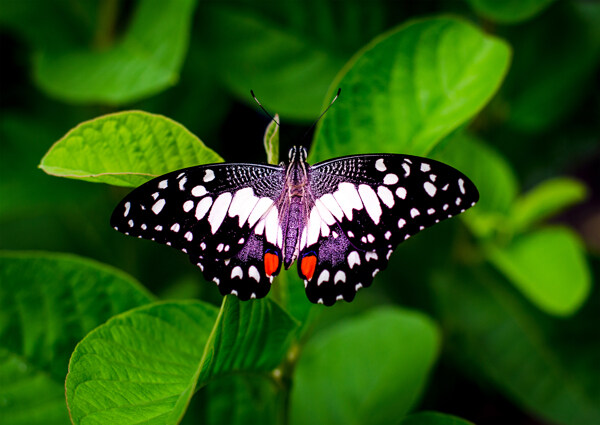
<point x="297" y="154"/>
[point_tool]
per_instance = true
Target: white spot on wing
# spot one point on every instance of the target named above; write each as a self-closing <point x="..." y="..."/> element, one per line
<point x="401" y="223"/>
<point x="379" y="165"/>
<point x="203" y="207"/>
<point x="348" y="198"/>
<point x="386" y="196"/>
<point x="340" y="276"/>
<point x="237" y="272"/>
<point x="127" y="207"/>
<point x="323" y="277"/>
<point x="371" y="202"/>
<point x="219" y="211"/>
<point x="261" y="207"/>
<point x="253" y="273"/>
<point x="431" y="211"/>
<point x="430" y="189"/>
<point x="158" y="206"/>
<point x="272" y="225"/>
<point x="188" y="205"/>
<point x="390" y="179"/>
<point x="371" y="255"/>
<point x="332" y="205"/>
<point x="461" y="185"/>
<point x="182" y="183"/>
<point x="209" y="175"/>
<point x="353" y="259"/>
<point x="189" y="236"/>
<point x="414" y="212"/>
<point x="175" y="227"/>
<point x="242" y="205"/>
<point x="199" y="191"/>
<point x="406" y="169"/>
<point x="425" y="167"/>
<point x="401" y="193"/>
<point x="163" y="184"/>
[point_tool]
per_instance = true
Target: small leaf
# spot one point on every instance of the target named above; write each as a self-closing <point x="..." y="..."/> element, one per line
<point x="545" y="200"/>
<point x="144" y="366"/>
<point x="48" y="302"/>
<point x="271" y="141"/>
<point x="145" y="61"/>
<point x="433" y="418"/>
<point x="125" y="149"/>
<point x="509" y="11"/>
<point x="411" y="87"/>
<point x="549" y="267"/>
<point x="360" y="371"/>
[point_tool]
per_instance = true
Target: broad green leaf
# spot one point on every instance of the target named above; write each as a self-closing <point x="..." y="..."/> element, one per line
<point x="411" y="87"/>
<point x="288" y="54"/>
<point x="125" y="149"/>
<point x="48" y="302"/>
<point x="145" y="61"/>
<point x="144" y="366"/>
<point x="509" y="11"/>
<point x="545" y="200"/>
<point x="552" y="70"/>
<point x="549" y="267"/>
<point x="498" y="337"/>
<point x="368" y="369"/>
<point x="433" y="418"/>
<point x="271" y="141"/>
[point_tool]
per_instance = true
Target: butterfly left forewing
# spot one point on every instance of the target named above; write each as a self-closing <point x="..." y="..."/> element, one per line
<point x="222" y="215"/>
<point x="363" y="206"/>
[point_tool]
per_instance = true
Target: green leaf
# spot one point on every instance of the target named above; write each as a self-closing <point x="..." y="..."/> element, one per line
<point x="48" y="302"/>
<point x="145" y="61"/>
<point x="433" y="418"/>
<point x="411" y="87"/>
<point x="125" y="149"/>
<point x="144" y="366"/>
<point x="549" y="267"/>
<point x="509" y="11"/>
<point x="545" y="200"/>
<point x="271" y="141"/>
<point x="498" y="337"/>
<point x="341" y="378"/>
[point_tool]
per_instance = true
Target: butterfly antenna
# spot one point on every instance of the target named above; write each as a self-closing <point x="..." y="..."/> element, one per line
<point x="323" y="113"/>
<point x="263" y="108"/>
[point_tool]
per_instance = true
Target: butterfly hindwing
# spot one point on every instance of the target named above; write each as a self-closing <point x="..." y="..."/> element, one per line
<point x="362" y="207"/>
<point x="223" y="216"/>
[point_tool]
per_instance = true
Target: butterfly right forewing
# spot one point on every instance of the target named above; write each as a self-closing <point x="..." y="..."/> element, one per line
<point x="363" y="206"/>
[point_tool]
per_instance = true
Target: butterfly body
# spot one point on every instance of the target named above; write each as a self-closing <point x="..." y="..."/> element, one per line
<point x="339" y="219"/>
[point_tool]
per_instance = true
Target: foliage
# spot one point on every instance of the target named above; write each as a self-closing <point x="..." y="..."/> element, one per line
<point x="496" y="308"/>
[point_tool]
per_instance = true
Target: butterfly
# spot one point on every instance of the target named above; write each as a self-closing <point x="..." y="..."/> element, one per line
<point x="341" y="219"/>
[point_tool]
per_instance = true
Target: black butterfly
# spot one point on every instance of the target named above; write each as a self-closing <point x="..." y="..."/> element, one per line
<point x="342" y="218"/>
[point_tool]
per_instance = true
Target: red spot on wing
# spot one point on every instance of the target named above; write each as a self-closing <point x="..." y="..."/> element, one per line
<point x="271" y="263"/>
<point x="307" y="266"/>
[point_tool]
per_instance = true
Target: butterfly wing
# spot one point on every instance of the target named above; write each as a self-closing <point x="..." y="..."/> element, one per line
<point x="224" y="216"/>
<point x="362" y="207"/>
